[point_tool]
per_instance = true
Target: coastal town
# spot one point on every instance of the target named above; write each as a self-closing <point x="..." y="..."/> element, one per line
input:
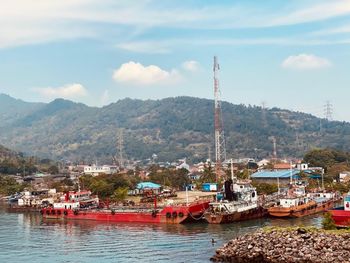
<point x="175" y="131"/>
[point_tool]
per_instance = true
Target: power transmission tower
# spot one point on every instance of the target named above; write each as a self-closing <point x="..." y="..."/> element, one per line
<point x="328" y="111"/>
<point x="220" y="148"/>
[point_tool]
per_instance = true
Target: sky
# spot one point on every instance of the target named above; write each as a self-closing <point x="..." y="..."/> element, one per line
<point x="292" y="54"/>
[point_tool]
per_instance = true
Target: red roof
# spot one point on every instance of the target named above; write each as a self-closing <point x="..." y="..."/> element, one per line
<point x="281" y="166"/>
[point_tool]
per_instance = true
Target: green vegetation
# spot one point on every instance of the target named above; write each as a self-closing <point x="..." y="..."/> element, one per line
<point x="9" y="186"/>
<point x="264" y="188"/>
<point x="119" y="194"/>
<point x="333" y="162"/>
<point x="106" y="186"/>
<point x="173" y="178"/>
<point x="172" y="128"/>
<point x="328" y="222"/>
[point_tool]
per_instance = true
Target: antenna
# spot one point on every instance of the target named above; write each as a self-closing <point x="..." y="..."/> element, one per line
<point x="274" y="144"/>
<point x="220" y="149"/>
<point x="120" y="147"/>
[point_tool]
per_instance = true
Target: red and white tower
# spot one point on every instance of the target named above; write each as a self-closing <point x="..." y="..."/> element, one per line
<point x="220" y="149"/>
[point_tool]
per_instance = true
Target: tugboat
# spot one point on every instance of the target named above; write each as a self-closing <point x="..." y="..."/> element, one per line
<point x="74" y="207"/>
<point x="341" y="215"/>
<point x="240" y="202"/>
<point x="299" y="204"/>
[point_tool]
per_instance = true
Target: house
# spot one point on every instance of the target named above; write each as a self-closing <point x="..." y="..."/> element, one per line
<point x="271" y="177"/>
<point x="183" y="165"/>
<point x="344" y="177"/>
<point x="282" y="166"/>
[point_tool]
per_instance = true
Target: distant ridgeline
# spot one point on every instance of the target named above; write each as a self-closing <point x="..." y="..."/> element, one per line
<point x="172" y="128"/>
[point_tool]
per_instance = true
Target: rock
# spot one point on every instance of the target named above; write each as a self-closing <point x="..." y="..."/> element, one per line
<point x="286" y="246"/>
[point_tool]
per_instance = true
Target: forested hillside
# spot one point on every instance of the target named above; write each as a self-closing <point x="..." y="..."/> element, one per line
<point x="172" y="128"/>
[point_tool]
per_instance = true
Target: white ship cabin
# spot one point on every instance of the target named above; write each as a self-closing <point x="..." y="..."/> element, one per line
<point x="66" y="205"/>
<point x="347" y="202"/>
<point x="239" y="187"/>
<point x="78" y="196"/>
<point x="321" y="195"/>
<point x="246" y="191"/>
<point x="297" y="191"/>
<point x="290" y="202"/>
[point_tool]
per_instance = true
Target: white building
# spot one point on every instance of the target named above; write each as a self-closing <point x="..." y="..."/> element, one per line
<point x="95" y="170"/>
<point x="302" y="166"/>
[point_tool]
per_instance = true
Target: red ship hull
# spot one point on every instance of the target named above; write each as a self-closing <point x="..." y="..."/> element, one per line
<point x="170" y="214"/>
<point x="341" y="217"/>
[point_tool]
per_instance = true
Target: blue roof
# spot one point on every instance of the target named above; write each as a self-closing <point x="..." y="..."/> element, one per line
<point x="275" y="174"/>
<point x="150" y="185"/>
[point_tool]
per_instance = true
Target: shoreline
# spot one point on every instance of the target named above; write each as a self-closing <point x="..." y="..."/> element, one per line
<point x="287" y="245"/>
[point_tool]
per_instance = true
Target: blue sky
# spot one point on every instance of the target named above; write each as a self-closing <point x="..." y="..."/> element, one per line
<point x="290" y="54"/>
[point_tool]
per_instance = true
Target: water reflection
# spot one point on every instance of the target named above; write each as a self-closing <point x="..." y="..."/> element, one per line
<point x="91" y="241"/>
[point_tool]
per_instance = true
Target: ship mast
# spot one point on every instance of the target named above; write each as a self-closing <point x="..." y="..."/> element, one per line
<point x="220" y="150"/>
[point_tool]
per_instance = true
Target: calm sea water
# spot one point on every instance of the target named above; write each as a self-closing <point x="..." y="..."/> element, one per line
<point x="27" y="238"/>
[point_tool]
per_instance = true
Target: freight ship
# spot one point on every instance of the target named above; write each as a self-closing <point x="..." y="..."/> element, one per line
<point x="299" y="204"/>
<point x="76" y="208"/>
<point x="240" y="202"/>
<point x="341" y="215"/>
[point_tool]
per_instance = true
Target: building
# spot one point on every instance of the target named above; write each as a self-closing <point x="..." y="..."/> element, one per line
<point x="95" y="170"/>
<point x="272" y="177"/>
<point x="344" y="177"/>
<point x="282" y="166"/>
<point x="302" y="166"/>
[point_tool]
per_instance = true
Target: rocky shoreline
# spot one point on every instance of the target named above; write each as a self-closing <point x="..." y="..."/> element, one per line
<point x="287" y="245"/>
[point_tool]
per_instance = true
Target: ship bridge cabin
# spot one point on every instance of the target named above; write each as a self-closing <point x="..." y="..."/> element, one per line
<point x="347" y="202"/>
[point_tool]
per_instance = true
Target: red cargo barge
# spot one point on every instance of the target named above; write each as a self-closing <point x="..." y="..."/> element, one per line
<point x="174" y="214"/>
<point x="341" y="215"/>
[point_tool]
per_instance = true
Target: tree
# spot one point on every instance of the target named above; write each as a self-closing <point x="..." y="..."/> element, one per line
<point x="101" y="188"/>
<point x="208" y="175"/>
<point x="53" y="169"/>
<point x="119" y="194"/>
<point x="264" y="188"/>
<point x="320" y="158"/>
<point x="328" y="222"/>
<point x="179" y="178"/>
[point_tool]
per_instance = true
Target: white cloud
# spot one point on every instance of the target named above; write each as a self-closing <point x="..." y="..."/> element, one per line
<point x="305" y="62"/>
<point x="321" y="11"/>
<point x="332" y="31"/>
<point x="68" y="91"/>
<point x="148" y="47"/>
<point x="25" y="22"/>
<point x="191" y="65"/>
<point x="137" y="74"/>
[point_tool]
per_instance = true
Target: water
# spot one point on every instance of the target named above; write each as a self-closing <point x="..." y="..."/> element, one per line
<point x="25" y="237"/>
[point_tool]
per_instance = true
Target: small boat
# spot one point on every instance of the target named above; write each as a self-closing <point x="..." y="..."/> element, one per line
<point x="240" y="203"/>
<point x="75" y="208"/>
<point x="299" y="204"/>
<point x="341" y="215"/>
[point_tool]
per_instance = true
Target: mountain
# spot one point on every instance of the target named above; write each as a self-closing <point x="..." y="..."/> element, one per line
<point x="12" y="109"/>
<point x="172" y="128"/>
